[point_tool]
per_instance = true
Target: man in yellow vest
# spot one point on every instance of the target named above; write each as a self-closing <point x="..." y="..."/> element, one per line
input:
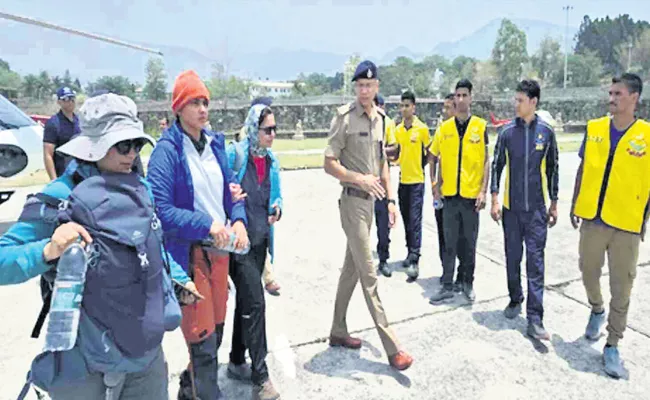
<point x="381" y="205"/>
<point x="527" y="150"/>
<point x="461" y="147"/>
<point x="413" y="137"/>
<point x="448" y="111"/>
<point x="610" y="197"/>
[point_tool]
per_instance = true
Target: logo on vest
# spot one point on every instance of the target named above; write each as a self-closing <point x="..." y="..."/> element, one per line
<point x="595" y="139"/>
<point x="637" y="147"/>
<point x="474" y="137"/>
<point x="539" y="142"/>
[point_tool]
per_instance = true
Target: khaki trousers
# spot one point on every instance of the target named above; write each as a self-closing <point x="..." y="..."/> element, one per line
<point x="622" y="250"/>
<point x="356" y="219"/>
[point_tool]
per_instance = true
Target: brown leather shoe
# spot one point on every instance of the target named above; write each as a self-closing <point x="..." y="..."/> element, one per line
<point x="400" y="361"/>
<point x="348" y="342"/>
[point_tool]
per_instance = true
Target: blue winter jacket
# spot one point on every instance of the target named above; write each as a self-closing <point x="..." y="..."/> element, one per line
<point x="530" y="155"/>
<point x="171" y="182"/>
<point x="238" y="153"/>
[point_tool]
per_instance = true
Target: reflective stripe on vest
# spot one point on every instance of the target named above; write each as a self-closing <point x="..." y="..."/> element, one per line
<point x="628" y="186"/>
<point x="472" y="167"/>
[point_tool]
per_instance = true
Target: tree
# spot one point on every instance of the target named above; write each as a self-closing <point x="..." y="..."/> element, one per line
<point x="584" y="70"/>
<point x="639" y="55"/>
<point x="156" y="84"/>
<point x="606" y="37"/>
<point x="485" y="78"/>
<point x="44" y="84"/>
<point x="115" y="84"/>
<point x="8" y="78"/>
<point x="222" y="86"/>
<point x="29" y="87"/>
<point x="548" y="61"/>
<point x="509" y="54"/>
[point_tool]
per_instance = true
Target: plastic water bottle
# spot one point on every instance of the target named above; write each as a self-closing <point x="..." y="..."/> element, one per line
<point x="230" y="247"/>
<point x="66" y="299"/>
<point x="438" y="204"/>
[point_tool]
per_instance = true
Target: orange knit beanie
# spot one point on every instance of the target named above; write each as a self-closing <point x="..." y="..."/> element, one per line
<point x="188" y="86"/>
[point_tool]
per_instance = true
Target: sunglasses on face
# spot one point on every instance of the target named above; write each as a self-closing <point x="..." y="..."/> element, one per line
<point x="124" y="147"/>
<point x="269" y="130"/>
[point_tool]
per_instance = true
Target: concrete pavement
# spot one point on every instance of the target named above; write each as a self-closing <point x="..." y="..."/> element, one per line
<point x="461" y="351"/>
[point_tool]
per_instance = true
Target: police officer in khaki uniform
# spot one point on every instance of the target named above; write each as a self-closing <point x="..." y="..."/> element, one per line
<point x="355" y="155"/>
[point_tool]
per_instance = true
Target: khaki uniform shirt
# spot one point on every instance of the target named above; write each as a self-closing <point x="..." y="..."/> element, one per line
<point x="356" y="139"/>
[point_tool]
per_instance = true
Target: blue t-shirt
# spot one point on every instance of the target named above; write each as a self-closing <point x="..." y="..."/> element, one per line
<point x="58" y="131"/>
<point x="614" y="137"/>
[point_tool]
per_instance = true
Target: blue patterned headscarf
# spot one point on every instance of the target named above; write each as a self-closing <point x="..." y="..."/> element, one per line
<point x="252" y="125"/>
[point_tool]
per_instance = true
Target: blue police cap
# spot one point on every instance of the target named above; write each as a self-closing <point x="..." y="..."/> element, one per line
<point x="65" y="93"/>
<point x="365" y="70"/>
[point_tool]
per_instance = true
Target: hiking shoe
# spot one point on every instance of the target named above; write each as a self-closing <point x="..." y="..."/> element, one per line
<point x="596" y="322"/>
<point x="265" y="391"/>
<point x="613" y="363"/>
<point x="537" y="331"/>
<point x="413" y="271"/>
<point x="468" y="290"/>
<point x="242" y="372"/>
<point x="443" y="294"/>
<point x="512" y="310"/>
<point x="384" y="270"/>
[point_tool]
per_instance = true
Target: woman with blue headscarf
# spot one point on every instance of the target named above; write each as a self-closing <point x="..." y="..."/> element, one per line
<point x="258" y="173"/>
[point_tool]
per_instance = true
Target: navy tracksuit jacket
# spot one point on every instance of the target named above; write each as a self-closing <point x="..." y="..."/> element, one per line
<point x="530" y="156"/>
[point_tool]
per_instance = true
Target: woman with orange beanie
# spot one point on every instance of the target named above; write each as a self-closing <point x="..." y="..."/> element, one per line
<point x="192" y="185"/>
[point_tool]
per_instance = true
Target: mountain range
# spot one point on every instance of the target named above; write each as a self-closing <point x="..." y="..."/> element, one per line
<point x="30" y="49"/>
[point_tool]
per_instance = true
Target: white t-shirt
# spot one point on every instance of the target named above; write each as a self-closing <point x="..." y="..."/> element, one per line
<point x="207" y="178"/>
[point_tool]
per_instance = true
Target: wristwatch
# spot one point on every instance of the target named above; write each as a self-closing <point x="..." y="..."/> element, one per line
<point x="391" y="201"/>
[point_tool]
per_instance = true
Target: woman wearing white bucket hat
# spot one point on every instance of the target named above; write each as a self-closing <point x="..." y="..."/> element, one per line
<point x="124" y="311"/>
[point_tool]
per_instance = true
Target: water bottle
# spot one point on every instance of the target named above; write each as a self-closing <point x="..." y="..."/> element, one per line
<point x="438" y="204"/>
<point x="230" y="247"/>
<point x="66" y="299"/>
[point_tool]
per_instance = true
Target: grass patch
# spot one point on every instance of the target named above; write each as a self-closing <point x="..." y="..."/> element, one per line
<point x="307" y="144"/>
<point x="300" y="161"/>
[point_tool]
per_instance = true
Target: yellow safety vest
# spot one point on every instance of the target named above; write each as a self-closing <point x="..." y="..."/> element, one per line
<point x="628" y="186"/>
<point x="472" y="166"/>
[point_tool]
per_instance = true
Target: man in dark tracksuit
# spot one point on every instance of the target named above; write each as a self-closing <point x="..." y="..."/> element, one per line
<point x="528" y="149"/>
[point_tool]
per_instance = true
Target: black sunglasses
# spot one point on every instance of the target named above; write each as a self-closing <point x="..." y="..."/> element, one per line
<point x="124" y="147"/>
<point x="269" y="129"/>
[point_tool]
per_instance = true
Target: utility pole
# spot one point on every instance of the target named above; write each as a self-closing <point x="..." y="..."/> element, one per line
<point x="566" y="8"/>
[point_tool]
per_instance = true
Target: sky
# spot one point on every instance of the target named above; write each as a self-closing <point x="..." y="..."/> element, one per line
<point x="227" y="28"/>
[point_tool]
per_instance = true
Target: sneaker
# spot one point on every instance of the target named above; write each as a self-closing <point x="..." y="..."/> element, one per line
<point x="458" y="286"/>
<point x="242" y="372"/>
<point x="413" y="271"/>
<point x="443" y="294"/>
<point x="468" y="290"/>
<point x="512" y="310"/>
<point x="613" y="363"/>
<point x="596" y="322"/>
<point x="265" y="391"/>
<point x="384" y="270"/>
<point x="537" y="331"/>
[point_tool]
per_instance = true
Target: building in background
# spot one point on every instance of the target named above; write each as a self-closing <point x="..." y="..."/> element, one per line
<point x="271" y="88"/>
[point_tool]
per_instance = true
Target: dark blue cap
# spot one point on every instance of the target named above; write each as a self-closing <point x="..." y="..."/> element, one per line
<point x="65" y="93"/>
<point x="365" y="70"/>
<point x="262" y="100"/>
<point x="379" y="100"/>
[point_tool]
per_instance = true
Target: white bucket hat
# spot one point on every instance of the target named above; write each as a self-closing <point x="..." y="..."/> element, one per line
<point x="105" y="120"/>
